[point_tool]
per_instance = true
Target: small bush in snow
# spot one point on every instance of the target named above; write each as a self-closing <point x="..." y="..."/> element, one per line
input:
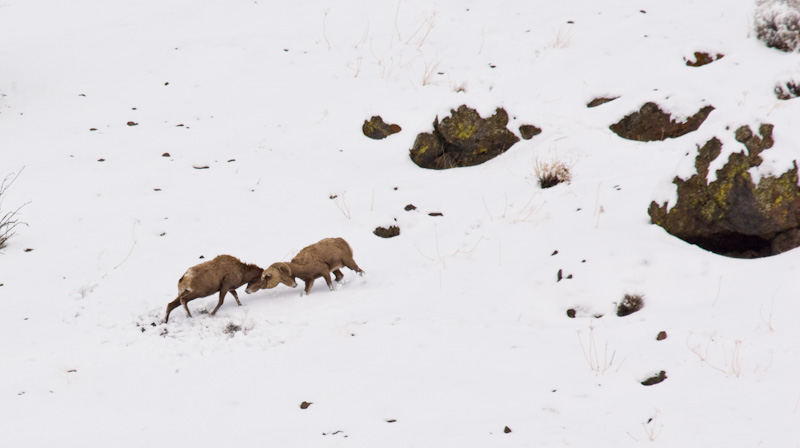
<point x="630" y="304"/>
<point x="777" y="23"/>
<point x="552" y="173"/>
<point x="788" y="89"/>
<point x="8" y="219"/>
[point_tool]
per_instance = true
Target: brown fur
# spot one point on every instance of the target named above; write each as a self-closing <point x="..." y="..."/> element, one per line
<point x="315" y="261"/>
<point x="223" y="274"/>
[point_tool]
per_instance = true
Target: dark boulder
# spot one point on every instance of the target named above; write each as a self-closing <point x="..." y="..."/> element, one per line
<point x="651" y="124"/>
<point x="702" y="58"/>
<point x="732" y="215"/>
<point x="384" y="232"/>
<point x="463" y="139"/>
<point x="600" y="101"/>
<point x="528" y="131"/>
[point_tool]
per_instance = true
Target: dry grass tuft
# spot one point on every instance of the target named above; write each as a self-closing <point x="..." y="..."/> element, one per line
<point x="551" y="173"/>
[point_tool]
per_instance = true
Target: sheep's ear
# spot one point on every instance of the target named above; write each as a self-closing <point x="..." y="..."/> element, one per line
<point x="285" y="269"/>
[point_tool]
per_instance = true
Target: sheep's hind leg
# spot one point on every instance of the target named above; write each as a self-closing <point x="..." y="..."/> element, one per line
<point x="351" y="264"/>
<point x="235" y="296"/>
<point x="338" y="275"/>
<point x="171" y="306"/>
<point x="221" y="299"/>
<point x="186" y="307"/>
<point x="183" y="300"/>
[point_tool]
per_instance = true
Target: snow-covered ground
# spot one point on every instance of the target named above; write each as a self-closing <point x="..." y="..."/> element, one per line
<point x="459" y="329"/>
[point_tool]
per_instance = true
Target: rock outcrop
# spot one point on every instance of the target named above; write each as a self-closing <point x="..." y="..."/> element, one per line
<point x="650" y="123"/>
<point x="732" y="215"/>
<point x="463" y="139"/>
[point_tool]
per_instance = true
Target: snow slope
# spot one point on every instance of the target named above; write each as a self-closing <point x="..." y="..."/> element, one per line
<point x="459" y="328"/>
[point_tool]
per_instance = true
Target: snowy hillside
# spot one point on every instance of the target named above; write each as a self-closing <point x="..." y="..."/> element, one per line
<point x="156" y="135"/>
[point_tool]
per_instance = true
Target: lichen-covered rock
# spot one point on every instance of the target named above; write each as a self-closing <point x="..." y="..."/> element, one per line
<point x="732" y="215"/>
<point x="376" y="129"/>
<point x="463" y="139"/>
<point x="427" y="151"/>
<point x="650" y="123"/>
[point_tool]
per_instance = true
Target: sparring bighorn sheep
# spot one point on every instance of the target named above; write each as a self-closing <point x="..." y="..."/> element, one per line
<point x="315" y="261"/>
<point x="223" y="274"/>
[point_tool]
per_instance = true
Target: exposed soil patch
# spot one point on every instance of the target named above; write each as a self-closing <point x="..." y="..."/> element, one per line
<point x="232" y="328"/>
<point x="653" y="124"/>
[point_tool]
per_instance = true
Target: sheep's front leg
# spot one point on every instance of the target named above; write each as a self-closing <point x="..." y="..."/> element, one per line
<point x="309" y="284"/>
<point x="221" y="299"/>
<point x="235" y="296"/>
<point x="338" y="275"/>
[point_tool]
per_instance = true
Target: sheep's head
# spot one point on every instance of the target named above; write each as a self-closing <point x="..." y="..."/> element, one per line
<point x="277" y="273"/>
<point x="256" y="285"/>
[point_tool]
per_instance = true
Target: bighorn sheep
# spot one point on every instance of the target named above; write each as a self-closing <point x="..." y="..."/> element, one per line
<point x="224" y="274"/>
<point x="315" y="261"/>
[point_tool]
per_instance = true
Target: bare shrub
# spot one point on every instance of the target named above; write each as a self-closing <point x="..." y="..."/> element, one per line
<point x="598" y="364"/>
<point x="8" y="219"/>
<point x="431" y="68"/>
<point x="551" y="173"/>
<point x="561" y="39"/>
<point x="630" y="304"/>
<point x="788" y="87"/>
<point x="777" y="23"/>
<point x="459" y="88"/>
